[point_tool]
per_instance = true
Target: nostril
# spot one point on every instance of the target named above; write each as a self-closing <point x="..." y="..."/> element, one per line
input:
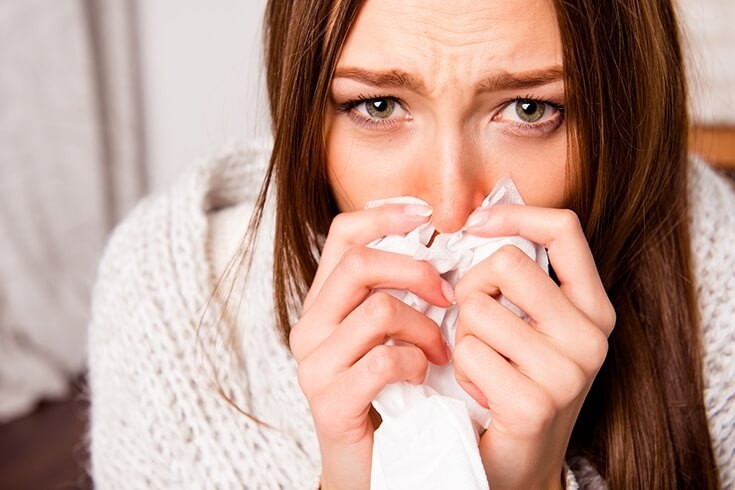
<point x="451" y="216"/>
<point x="431" y="240"/>
<point x="447" y="226"/>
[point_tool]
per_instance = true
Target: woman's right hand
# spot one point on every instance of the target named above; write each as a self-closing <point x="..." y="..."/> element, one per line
<point x="338" y="343"/>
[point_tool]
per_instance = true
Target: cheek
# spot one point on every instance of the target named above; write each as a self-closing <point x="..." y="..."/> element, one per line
<point x="361" y="168"/>
<point x="338" y="162"/>
<point x="536" y="165"/>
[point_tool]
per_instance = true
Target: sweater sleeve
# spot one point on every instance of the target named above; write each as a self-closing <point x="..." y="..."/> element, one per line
<point x="156" y="419"/>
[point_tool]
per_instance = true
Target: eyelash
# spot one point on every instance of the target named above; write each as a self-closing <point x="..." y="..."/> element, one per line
<point x="538" y="128"/>
<point x="349" y="106"/>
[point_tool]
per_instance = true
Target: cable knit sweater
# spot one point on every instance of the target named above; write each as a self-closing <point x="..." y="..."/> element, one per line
<point x="157" y="420"/>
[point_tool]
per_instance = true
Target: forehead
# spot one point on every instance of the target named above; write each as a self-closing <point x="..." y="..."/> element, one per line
<point x="454" y="40"/>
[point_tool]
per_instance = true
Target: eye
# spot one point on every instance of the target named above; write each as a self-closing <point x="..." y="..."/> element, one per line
<point x="530" y="111"/>
<point x="530" y="117"/>
<point x="379" y="108"/>
<point x="375" y="112"/>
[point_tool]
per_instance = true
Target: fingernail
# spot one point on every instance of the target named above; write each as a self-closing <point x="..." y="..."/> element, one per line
<point x="418" y="210"/>
<point x="447" y="351"/>
<point x="476" y="218"/>
<point x="448" y="291"/>
<point x="374" y="204"/>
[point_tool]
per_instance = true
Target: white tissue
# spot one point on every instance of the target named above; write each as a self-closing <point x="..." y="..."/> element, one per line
<point x="429" y="435"/>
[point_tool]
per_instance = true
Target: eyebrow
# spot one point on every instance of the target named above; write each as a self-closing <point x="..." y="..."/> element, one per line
<point x="494" y="83"/>
<point x="516" y="81"/>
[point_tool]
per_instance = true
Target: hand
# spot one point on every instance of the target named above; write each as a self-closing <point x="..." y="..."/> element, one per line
<point x="532" y="376"/>
<point x="339" y="341"/>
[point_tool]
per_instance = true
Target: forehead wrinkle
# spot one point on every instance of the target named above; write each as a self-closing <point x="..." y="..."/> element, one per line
<point x="451" y="25"/>
<point x="451" y="49"/>
<point x="473" y="32"/>
<point x="443" y="65"/>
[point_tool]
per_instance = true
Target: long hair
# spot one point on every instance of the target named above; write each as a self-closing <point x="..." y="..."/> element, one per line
<point x="643" y="424"/>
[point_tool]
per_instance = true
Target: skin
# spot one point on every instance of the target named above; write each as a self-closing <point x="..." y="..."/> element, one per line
<point x="447" y="142"/>
<point x="451" y="151"/>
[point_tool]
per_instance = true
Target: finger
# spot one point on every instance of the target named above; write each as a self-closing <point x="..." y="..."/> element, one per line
<point x="379" y="317"/>
<point x="512" y="273"/>
<point x="356" y="388"/>
<point x="359" y="228"/>
<point x="363" y="269"/>
<point x="360" y="271"/>
<point x="515" y="401"/>
<point x="528" y="350"/>
<point x="560" y="231"/>
<point x="525" y="347"/>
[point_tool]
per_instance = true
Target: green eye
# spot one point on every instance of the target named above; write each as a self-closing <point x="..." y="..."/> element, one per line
<point x="530" y="111"/>
<point x="380" y="108"/>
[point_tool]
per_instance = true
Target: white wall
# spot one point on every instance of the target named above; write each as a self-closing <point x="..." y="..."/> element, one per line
<point x="201" y="78"/>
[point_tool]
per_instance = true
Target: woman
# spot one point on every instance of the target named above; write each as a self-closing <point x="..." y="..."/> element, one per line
<point x="583" y="104"/>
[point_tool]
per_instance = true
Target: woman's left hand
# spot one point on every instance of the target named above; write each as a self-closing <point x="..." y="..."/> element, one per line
<point x="532" y="376"/>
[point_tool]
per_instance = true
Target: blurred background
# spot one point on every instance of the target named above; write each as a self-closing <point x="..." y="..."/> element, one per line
<point x="104" y="101"/>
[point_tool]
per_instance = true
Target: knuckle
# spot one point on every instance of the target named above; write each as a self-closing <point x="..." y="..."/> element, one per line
<point x="507" y="259"/>
<point x="504" y="215"/>
<point x="294" y="339"/>
<point x="382" y="361"/>
<point x="416" y="362"/>
<point x="333" y="419"/>
<point x="304" y="376"/>
<point x="472" y="308"/>
<point x="537" y="411"/>
<point x="323" y="407"/>
<point x="576" y="381"/>
<point x="381" y="308"/>
<point x="338" y="224"/>
<point x="597" y="349"/>
<point x="425" y="272"/>
<point x="463" y="291"/>
<point x="463" y="352"/>
<point x="355" y="260"/>
<point x="569" y="220"/>
<point x="611" y="318"/>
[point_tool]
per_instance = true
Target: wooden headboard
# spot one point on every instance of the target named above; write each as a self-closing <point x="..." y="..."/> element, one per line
<point x="716" y="144"/>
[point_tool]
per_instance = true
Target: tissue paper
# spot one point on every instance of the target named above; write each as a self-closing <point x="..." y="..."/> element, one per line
<point x="429" y="434"/>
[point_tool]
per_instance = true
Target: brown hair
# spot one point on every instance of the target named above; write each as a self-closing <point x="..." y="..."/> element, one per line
<point x="643" y="424"/>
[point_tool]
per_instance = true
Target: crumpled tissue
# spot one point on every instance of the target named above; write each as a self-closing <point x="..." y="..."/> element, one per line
<point x="430" y="433"/>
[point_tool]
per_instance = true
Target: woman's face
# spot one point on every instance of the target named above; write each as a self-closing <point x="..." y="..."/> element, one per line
<point x="438" y="99"/>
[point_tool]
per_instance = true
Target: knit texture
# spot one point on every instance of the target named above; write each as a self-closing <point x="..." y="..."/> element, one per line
<point x="157" y="419"/>
<point x="712" y="221"/>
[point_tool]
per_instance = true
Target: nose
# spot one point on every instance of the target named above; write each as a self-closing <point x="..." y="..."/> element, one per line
<point x="453" y="179"/>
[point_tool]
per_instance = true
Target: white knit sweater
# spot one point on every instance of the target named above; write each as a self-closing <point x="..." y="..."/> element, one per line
<point x="157" y="420"/>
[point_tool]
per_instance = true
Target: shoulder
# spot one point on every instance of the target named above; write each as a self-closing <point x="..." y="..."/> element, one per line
<point x="712" y="234"/>
<point x="165" y="235"/>
<point x="156" y="417"/>
<point x="155" y="262"/>
<point x="712" y="230"/>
